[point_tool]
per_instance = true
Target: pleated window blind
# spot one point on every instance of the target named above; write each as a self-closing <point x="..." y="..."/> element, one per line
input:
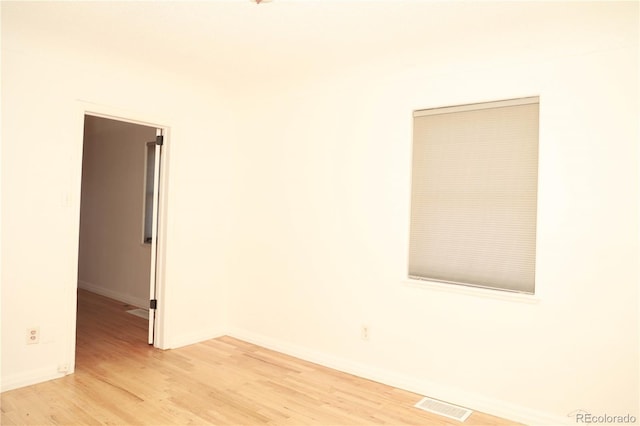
<point x="474" y="195"/>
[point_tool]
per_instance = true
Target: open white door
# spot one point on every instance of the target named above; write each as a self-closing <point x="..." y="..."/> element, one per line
<point x="153" y="302"/>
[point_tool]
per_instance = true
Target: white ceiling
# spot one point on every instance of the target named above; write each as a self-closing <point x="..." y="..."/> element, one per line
<point x="242" y="38"/>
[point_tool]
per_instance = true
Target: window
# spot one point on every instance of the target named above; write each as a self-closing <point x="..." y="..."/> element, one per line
<point x="148" y="191"/>
<point x="474" y="195"/>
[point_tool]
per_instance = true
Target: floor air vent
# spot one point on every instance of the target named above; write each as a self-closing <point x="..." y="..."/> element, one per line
<point x="443" y="409"/>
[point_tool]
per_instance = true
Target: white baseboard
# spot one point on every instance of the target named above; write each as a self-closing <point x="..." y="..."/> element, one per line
<point x="195" y="337"/>
<point x="121" y="297"/>
<point x="29" y="378"/>
<point x="434" y="390"/>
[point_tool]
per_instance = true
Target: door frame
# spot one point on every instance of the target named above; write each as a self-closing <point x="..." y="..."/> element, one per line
<point x="134" y="117"/>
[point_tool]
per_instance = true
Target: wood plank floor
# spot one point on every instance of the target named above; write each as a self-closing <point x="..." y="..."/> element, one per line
<point x="120" y="380"/>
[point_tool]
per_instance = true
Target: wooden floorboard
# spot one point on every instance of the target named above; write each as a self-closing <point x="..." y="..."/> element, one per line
<point x="120" y="380"/>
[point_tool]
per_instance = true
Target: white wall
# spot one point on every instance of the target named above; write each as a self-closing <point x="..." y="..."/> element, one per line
<point x="325" y="221"/>
<point x="289" y="197"/>
<point x="43" y="81"/>
<point x="112" y="259"/>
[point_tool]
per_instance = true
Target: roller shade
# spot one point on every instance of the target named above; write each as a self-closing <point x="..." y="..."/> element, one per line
<point x="474" y="195"/>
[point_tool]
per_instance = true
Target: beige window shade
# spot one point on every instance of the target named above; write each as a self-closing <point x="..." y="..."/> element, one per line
<point x="474" y="195"/>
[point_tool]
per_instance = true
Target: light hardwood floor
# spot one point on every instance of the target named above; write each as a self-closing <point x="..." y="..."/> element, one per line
<point x="120" y="380"/>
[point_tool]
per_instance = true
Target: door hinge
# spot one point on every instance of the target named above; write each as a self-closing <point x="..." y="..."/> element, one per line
<point x="160" y="140"/>
<point x="153" y="303"/>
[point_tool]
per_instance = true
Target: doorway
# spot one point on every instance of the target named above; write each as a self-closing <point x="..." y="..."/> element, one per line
<point x="119" y="213"/>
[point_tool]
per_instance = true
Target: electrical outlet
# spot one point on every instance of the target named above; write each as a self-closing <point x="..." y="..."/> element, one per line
<point x="364" y="332"/>
<point x="33" y="335"/>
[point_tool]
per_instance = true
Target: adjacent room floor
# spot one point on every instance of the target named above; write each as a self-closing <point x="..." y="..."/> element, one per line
<point x="119" y="379"/>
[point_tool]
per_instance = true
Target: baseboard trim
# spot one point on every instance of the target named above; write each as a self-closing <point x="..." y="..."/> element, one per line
<point x="29" y="378"/>
<point x="434" y="390"/>
<point x="115" y="295"/>
<point x="193" y="338"/>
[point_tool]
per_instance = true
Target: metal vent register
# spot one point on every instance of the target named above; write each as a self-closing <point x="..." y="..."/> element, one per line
<point x="444" y="409"/>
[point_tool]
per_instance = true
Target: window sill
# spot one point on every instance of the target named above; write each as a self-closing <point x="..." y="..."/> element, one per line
<point x="473" y="291"/>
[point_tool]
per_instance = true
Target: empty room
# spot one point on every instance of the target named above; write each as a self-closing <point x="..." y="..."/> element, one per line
<point x="329" y="212"/>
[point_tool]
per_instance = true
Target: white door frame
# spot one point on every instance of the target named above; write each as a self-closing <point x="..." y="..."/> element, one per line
<point x="153" y="275"/>
<point x="114" y="113"/>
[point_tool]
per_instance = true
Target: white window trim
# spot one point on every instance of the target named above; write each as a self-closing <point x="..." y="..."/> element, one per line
<point x="469" y="290"/>
<point x="144" y="193"/>
<point x="478" y="106"/>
